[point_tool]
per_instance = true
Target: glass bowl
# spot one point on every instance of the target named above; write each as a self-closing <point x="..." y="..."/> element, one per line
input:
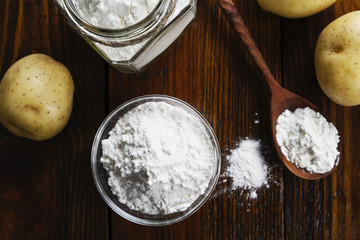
<point x="100" y="175"/>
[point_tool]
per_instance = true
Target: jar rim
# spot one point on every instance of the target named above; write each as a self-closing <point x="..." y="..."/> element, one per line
<point x="137" y="29"/>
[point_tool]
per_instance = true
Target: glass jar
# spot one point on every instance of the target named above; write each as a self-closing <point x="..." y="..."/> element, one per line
<point x="132" y="48"/>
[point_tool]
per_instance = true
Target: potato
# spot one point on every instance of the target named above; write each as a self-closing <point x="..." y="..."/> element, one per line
<point x="36" y="97"/>
<point x="337" y="60"/>
<point x="295" y="8"/>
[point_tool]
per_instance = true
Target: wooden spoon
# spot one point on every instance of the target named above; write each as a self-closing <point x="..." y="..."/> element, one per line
<point x="281" y="99"/>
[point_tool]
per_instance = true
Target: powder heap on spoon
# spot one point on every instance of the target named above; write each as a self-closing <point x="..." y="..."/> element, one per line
<point x="308" y="140"/>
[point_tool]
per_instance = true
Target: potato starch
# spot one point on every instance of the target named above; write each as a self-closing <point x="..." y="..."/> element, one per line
<point x="308" y="140"/>
<point x="159" y="158"/>
<point x="247" y="167"/>
<point x="114" y="13"/>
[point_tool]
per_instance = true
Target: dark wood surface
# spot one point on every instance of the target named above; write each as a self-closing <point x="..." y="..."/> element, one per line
<point x="46" y="188"/>
<point x="281" y="99"/>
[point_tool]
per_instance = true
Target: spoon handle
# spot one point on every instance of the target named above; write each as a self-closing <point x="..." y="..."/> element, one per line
<point x="237" y="22"/>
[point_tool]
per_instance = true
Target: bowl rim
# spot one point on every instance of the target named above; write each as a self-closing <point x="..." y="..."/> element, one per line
<point x="96" y="147"/>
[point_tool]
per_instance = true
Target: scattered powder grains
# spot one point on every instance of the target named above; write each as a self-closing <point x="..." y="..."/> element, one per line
<point x="247" y="167"/>
<point x="308" y="140"/>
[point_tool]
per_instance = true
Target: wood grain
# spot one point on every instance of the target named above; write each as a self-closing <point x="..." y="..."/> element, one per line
<point x="209" y="68"/>
<point x="281" y="99"/>
<point x="325" y="209"/>
<point x="46" y="188"/>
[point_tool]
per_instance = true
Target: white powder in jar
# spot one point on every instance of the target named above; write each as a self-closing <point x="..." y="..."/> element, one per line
<point x="127" y="52"/>
<point x="114" y="14"/>
<point x="308" y="140"/>
<point x="247" y="167"/>
<point x="159" y="158"/>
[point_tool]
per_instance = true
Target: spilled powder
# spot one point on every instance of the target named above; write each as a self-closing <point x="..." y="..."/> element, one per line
<point x="247" y="168"/>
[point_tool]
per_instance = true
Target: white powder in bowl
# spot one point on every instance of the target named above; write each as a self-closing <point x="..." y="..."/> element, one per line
<point x="159" y="158"/>
<point x="114" y="13"/>
<point x="308" y="140"/>
<point x="246" y="167"/>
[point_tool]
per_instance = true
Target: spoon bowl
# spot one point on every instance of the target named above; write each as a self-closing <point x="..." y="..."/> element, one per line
<point x="286" y="100"/>
<point x="281" y="99"/>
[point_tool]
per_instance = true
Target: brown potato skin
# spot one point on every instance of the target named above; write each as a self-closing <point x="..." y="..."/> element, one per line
<point x="337" y="60"/>
<point x="36" y="97"/>
<point x="295" y="8"/>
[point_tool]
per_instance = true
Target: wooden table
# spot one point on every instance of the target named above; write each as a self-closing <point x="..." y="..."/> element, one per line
<point x="46" y="188"/>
